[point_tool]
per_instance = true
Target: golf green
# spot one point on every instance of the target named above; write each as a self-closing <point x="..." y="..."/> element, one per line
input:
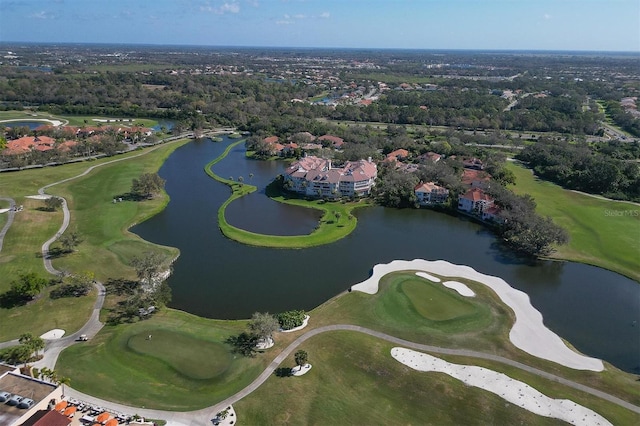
<point x="194" y="358"/>
<point x="433" y="301"/>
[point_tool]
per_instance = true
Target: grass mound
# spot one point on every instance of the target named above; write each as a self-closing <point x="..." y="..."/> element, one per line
<point x="433" y="301"/>
<point x="176" y="350"/>
<point x="186" y="364"/>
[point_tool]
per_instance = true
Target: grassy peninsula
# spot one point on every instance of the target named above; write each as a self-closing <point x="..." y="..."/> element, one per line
<point x="337" y="219"/>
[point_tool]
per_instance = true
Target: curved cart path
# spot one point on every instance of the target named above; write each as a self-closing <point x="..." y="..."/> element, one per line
<point x="204" y="416"/>
<point x="11" y="214"/>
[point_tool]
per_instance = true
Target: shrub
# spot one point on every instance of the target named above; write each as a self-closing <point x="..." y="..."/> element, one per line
<point x="291" y="319"/>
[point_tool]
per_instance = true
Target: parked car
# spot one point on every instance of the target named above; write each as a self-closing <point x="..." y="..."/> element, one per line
<point x="4" y="396"/>
<point x="82" y="338"/>
<point x="26" y="403"/>
<point x="15" y="400"/>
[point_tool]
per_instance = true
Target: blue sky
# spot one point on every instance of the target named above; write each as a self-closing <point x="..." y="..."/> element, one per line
<point x="611" y="25"/>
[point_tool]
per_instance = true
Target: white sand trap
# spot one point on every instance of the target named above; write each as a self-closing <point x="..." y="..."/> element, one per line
<point x="111" y="120"/>
<point x="38" y="197"/>
<point x="528" y="332"/>
<point x="4" y="210"/>
<point x="300" y="327"/>
<point x="429" y="277"/>
<point x="462" y="289"/>
<point x="514" y="391"/>
<point x="56" y="333"/>
<point x="264" y="344"/>
<point x="54" y="123"/>
<point x="301" y="370"/>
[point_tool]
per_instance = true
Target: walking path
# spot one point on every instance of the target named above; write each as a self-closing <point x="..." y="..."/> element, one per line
<point x="204" y="416"/>
<point x="11" y="214"/>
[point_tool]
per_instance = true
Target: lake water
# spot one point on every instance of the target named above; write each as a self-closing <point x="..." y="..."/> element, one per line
<point x="596" y="310"/>
<point x="32" y="125"/>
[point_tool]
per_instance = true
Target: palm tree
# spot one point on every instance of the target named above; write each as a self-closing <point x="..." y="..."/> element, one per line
<point x="301" y="359"/>
<point x="64" y="381"/>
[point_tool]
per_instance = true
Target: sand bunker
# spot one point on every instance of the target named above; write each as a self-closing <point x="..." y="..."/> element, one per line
<point x="429" y="277"/>
<point x="528" y="332"/>
<point x="514" y="391"/>
<point x="38" y="197"/>
<point x="56" y="333"/>
<point x="300" y="370"/>
<point x="462" y="289"/>
<point x="4" y="210"/>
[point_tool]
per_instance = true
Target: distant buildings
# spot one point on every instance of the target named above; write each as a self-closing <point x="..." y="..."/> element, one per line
<point x="316" y="177"/>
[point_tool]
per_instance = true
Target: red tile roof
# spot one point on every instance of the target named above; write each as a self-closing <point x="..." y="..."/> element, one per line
<point x="476" y="195"/>
<point x="469" y="176"/>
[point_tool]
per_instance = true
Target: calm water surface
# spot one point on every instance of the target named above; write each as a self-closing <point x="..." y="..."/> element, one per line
<point x="596" y="310"/>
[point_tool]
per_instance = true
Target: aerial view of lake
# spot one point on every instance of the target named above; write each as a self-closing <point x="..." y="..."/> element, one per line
<point x="596" y="310"/>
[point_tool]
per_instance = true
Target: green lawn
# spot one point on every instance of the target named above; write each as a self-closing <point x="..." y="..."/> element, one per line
<point x="603" y="233"/>
<point x="336" y="222"/>
<point x="433" y="301"/>
<point x="354" y="380"/>
<point x="185" y="366"/>
<point x="353" y="376"/>
<point x="107" y="247"/>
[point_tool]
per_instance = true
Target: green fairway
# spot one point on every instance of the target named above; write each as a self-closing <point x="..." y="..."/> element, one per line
<point x="433" y="301"/>
<point x="337" y="220"/>
<point x="602" y="232"/>
<point x="119" y="364"/>
<point x="189" y="356"/>
<point x="354" y="380"/>
<point x="107" y="246"/>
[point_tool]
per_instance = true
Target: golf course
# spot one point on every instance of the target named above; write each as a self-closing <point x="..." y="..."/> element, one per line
<point x="179" y="362"/>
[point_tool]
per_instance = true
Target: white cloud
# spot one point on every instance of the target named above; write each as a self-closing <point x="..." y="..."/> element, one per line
<point x="325" y="15"/>
<point x="299" y="16"/>
<point x="42" y="15"/>
<point x="547" y="16"/>
<point x="227" y="7"/>
<point x="284" y="22"/>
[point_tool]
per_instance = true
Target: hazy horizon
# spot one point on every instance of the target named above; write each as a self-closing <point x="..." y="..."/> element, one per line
<point x="491" y="25"/>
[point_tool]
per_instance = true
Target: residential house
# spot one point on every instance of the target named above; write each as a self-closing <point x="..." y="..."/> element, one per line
<point x="476" y="178"/>
<point x="430" y="156"/>
<point x="316" y="177"/>
<point x="397" y="155"/>
<point x="492" y="214"/>
<point x="473" y="163"/>
<point x="429" y="193"/>
<point x="475" y="201"/>
<point x="334" y="141"/>
<point x="25" y="144"/>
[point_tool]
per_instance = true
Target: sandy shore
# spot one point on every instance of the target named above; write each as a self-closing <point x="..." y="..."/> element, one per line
<point x="511" y="390"/>
<point x="528" y="332"/>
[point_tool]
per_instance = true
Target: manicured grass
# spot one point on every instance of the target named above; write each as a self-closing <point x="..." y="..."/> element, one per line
<point x="208" y="361"/>
<point x="107" y="247"/>
<point x="353" y="375"/>
<point x="433" y="301"/>
<point x="44" y="314"/>
<point x="602" y="232"/>
<point x="481" y="322"/>
<point x="354" y="380"/>
<point x="336" y="222"/>
<point x="103" y="224"/>
<point x="172" y="371"/>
